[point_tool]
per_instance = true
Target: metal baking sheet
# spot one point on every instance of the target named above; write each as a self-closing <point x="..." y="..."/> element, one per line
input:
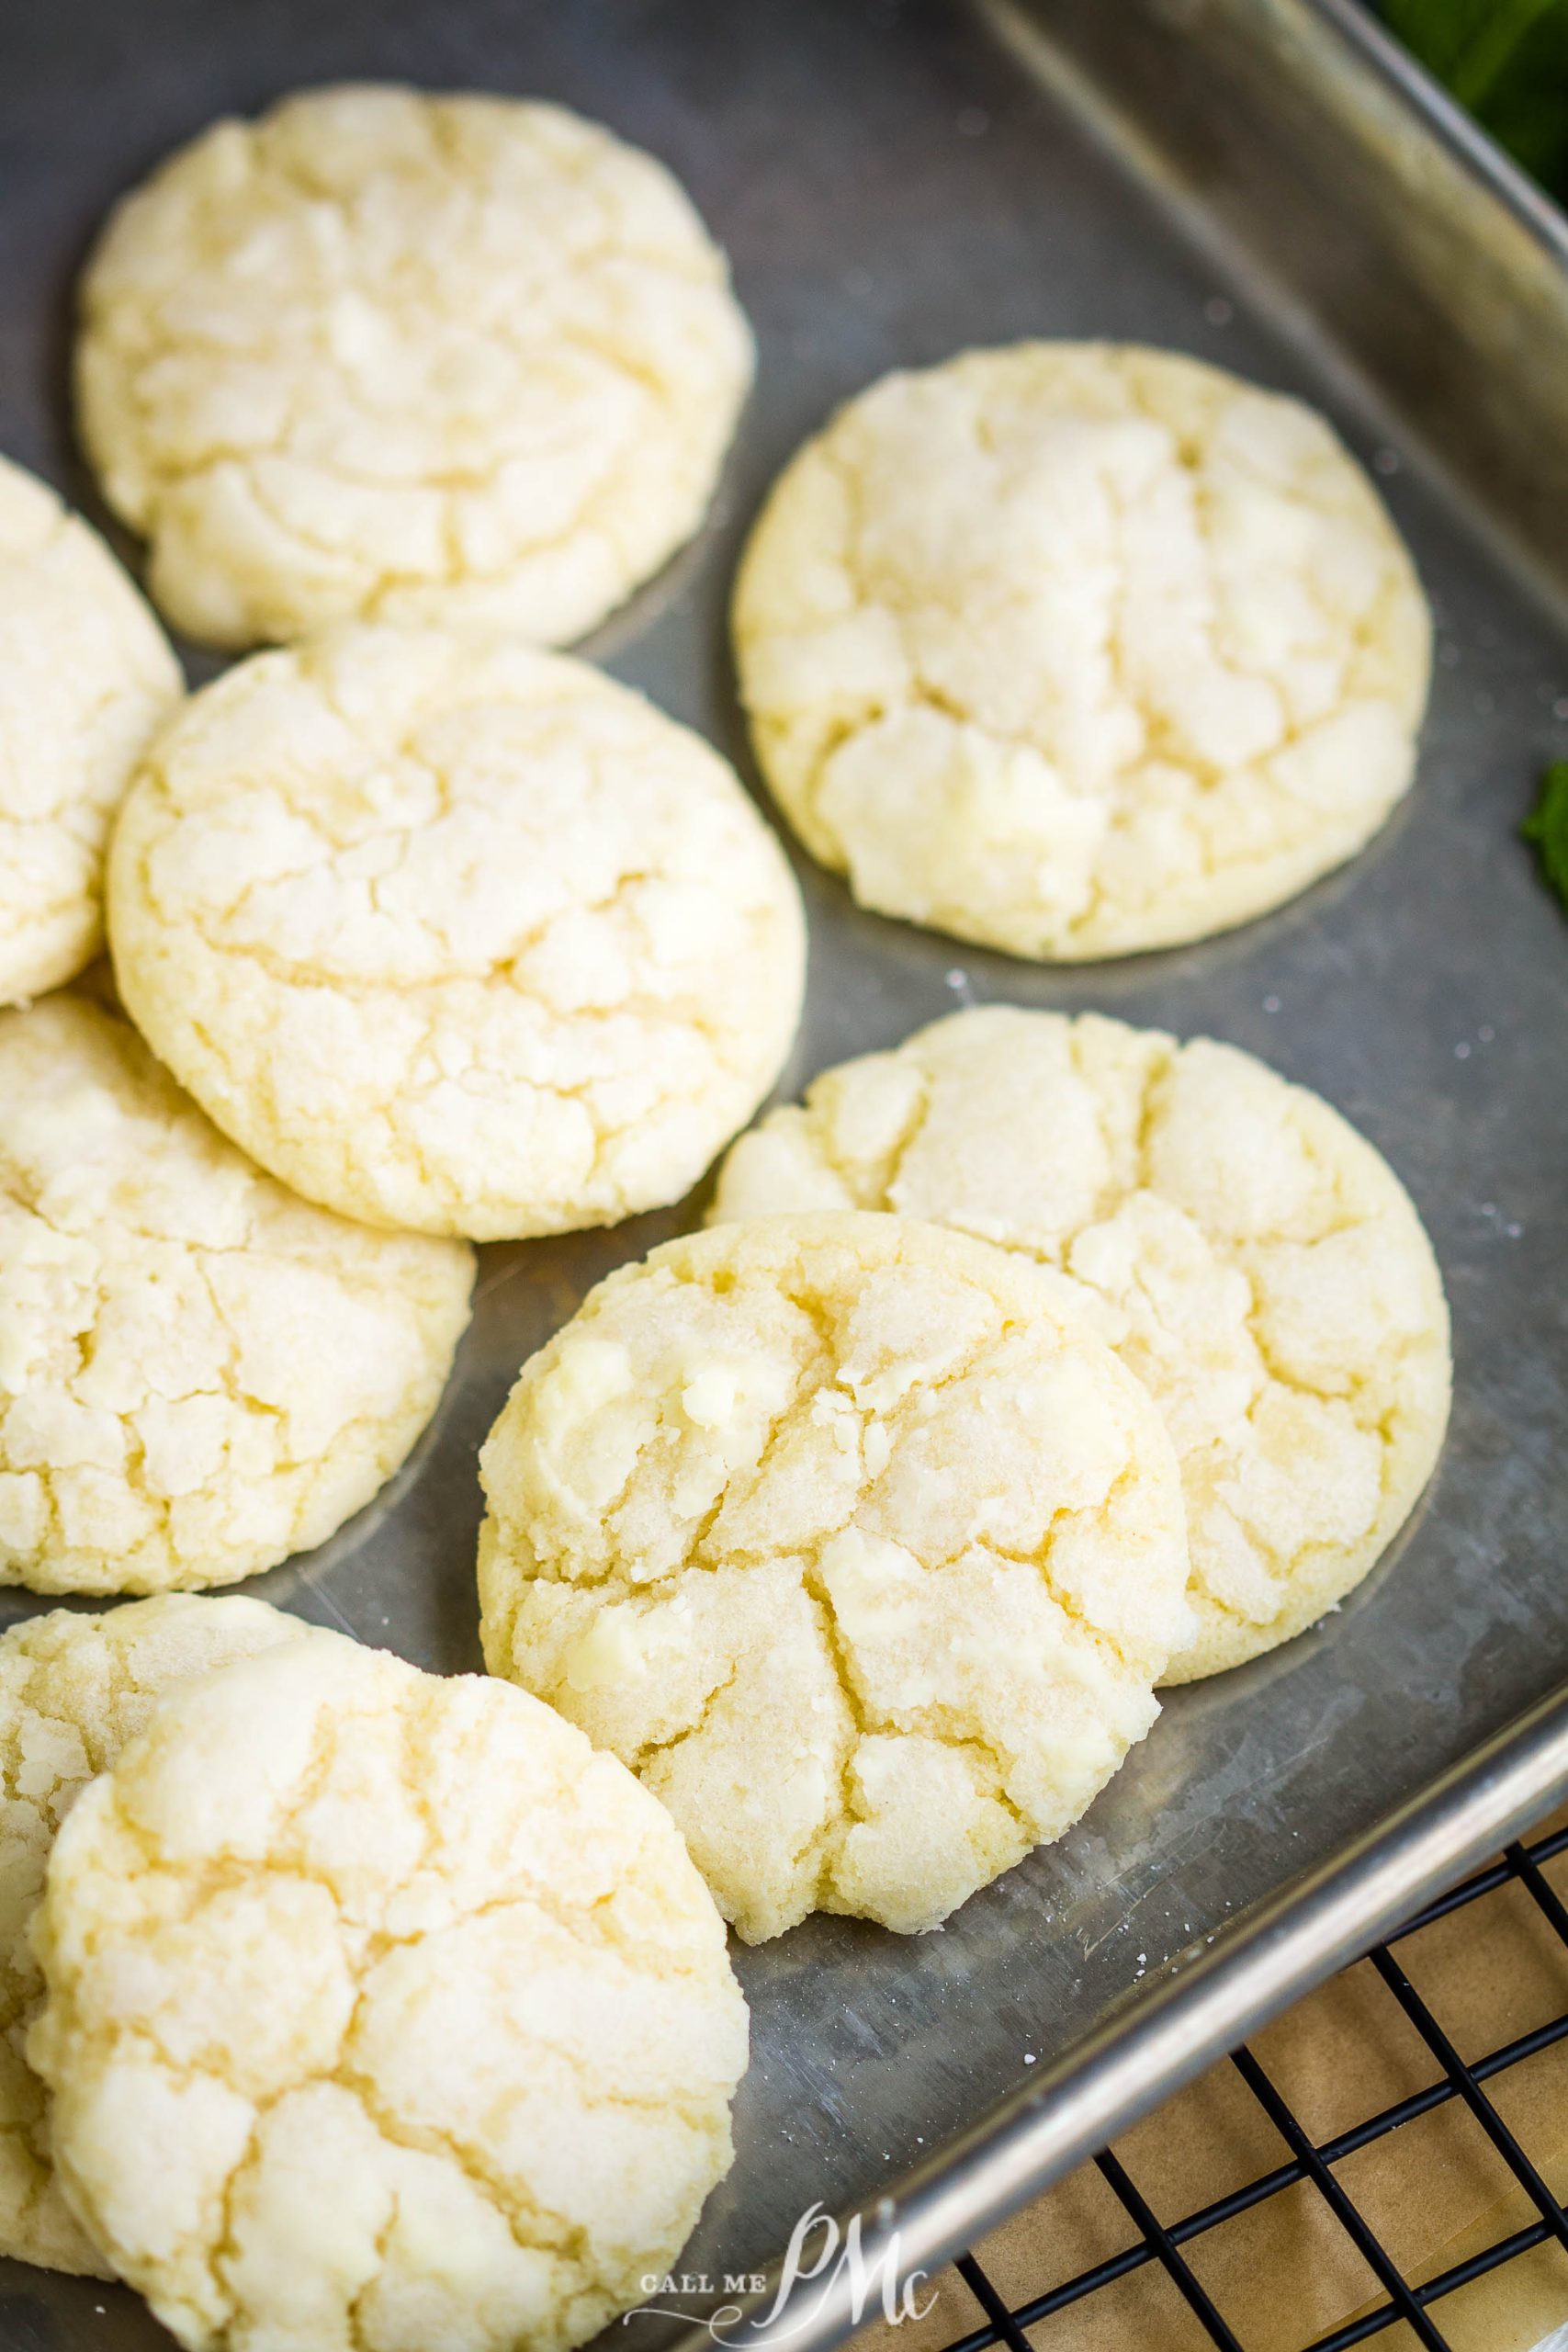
<point x="895" y="179"/>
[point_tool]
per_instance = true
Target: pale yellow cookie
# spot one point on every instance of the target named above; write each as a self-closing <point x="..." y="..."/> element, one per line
<point x="456" y="935"/>
<point x="86" y="679"/>
<point x="381" y="2013"/>
<point x="200" y="1374"/>
<point x="74" y="1688"/>
<point x="863" y="1558"/>
<point x="1074" y="648"/>
<point x="383" y="354"/>
<point x="1248" y="1255"/>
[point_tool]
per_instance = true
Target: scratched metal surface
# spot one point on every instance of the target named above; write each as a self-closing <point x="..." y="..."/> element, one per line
<point x="892" y="184"/>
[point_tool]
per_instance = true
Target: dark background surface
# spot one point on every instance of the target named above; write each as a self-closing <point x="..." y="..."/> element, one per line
<point x="891" y="186"/>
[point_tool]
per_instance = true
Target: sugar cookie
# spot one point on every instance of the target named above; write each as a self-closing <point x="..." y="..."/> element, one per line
<point x="385" y="355"/>
<point x="1249" y="1256"/>
<point x="85" y="679"/>
<point x="862" y="1559"/>
<point x="1075" y="648"/>
<point x="198" y="1373"/>
<point x="381" y="2011"/>
<point x="72" y="1690"/>
<point x="456" y="935"/>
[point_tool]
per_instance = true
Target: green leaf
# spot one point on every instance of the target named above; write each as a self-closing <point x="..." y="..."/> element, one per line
<point x="1508" y="61"/>
<point x="1547" y="827"/>
<point x="1443" y="32"/>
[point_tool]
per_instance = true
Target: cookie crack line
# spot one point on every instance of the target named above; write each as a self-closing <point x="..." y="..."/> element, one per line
<point x="699" y="1553"/>
<point x="461" y="1067"/>
<point x="850" y="1325"/>
<point x="189" y="1465"/>
<point x="87" y="680"/>
<point x="424" y="457"/>
<point x="679" y="1011"/>
<point x="1125" y="1126"/>
<point x="1245" y="629"/>
<point x="442" y="1831"/>
<point x="79" y="1685"/>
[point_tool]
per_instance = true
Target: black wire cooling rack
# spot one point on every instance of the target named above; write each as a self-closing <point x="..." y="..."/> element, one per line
<point x="1315" y="2161"/>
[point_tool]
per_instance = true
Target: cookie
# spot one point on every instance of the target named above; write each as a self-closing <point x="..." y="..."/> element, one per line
<point x="198" y="1374"/>
<point x="72" y="1690"/>
<point x="451" y="935"/>
<point x="1248" y="1255"/>
<point x="381" y="2011"/>
<point x="1076" y="648"/>
<point x="863" y="1558"/>
<point x="86" y="679"/>
<point x="387" y="355"/>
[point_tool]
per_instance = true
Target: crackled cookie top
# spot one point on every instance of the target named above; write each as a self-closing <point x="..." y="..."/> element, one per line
<point x="419" y="2002"/>
<point x="200" y="1374"/>
<point x="861" y="1556"/>
<point x="85" y="679"/>
<point x="456" y="935"/>
<point x="72" y="1690"/>
<point x="385" y="355"/>
<point x="1249" y="1256"/>
<point x="1073" y="649"/>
